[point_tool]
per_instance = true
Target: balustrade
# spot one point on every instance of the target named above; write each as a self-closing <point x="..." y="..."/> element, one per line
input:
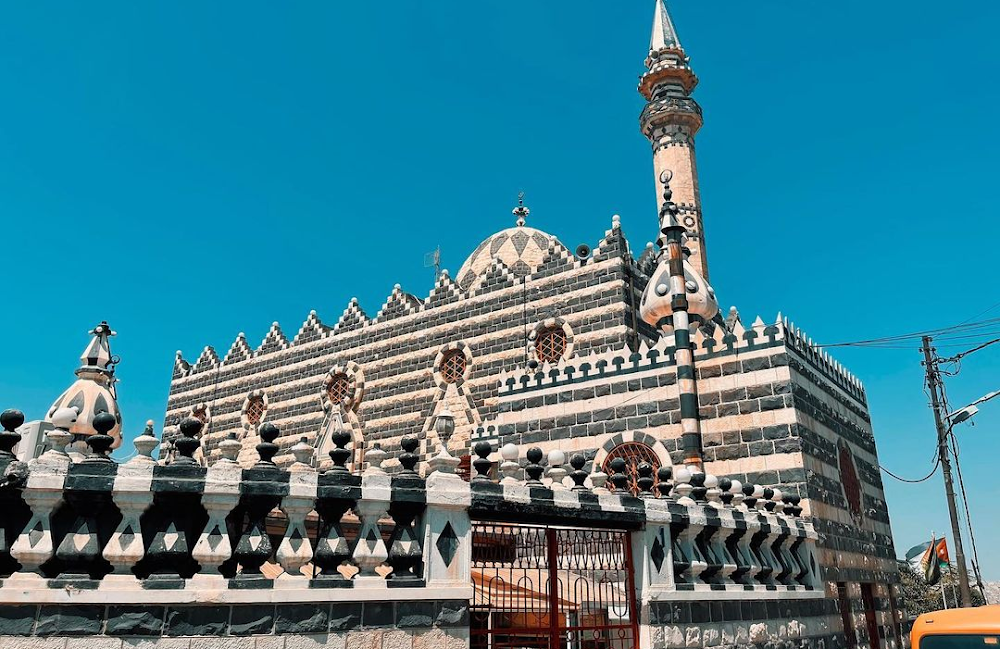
<point x="166" y="526"/>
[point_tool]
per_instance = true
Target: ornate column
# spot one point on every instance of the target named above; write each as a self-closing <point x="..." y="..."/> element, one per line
<point x="133" y="495"/>
<point x="408" y="502"/>
<point x="370" y="551"/>
<point x="448" y="533"/>
<point x="337" y="492"/>
<point x="264" y="487"/>
<point x="219" y="498"/>
<point x="295" y="550"/>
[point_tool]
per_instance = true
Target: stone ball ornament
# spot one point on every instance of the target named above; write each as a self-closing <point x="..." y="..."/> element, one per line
<point x="64" y="418"/>
<point x="509" y="452"/>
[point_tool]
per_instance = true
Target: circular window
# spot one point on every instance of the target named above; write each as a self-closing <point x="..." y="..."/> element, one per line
<point x="338" y="388"/>
<point x="255" y="410"/>
<point x="634" y="454"/>
<point x="551" y="345"/>
<point x="453" y="366"/>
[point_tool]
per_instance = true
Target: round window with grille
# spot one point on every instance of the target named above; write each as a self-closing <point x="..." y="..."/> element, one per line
<point x="453" y="366"/>
<point x="634" y="454"/>
<point x="338" y="388"/>
<point x="551" y="345"/>
<point x="255" y="410"/>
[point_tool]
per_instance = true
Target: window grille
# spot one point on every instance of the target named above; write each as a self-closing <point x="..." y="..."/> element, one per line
<point x="339" y="388"/>
<point x="453" y="366"/>
<point x="255" y="410"/>
<point x="551" y="345"/>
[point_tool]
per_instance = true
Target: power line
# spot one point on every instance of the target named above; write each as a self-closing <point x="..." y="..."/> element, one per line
<point x="945" y="333"/>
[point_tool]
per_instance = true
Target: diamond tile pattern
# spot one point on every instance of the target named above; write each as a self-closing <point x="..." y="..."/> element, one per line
<point x="447" y="544"/>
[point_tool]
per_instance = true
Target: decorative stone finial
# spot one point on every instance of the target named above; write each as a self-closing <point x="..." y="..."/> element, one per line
<point x="303" y="454"/>
<point x="482" y="463"/>
<point x="534" y="469"/>
<point x="713" y="493"/>
<point x="725" y="490"/>
<point x="11" y="420"/>
<point x="699" y="489"/>
<point x="267" y="449"/>
<point x="408" y="458"/>
<point x="779" y="504"/>
<point x="749" y="500"/>
<point x="375" y="456"/>
<point x="578" y="475"/>
<point x="557" y="473"/>
<point x="230" y="449"/>
<point x="736" y="490"/>
<point x="509" y="467"/>
<point x="618" y="476"/>
<point x="599" y="479"/>
<point x="682" y="486"/>
<point x="144" y="445"/>
<point x="645" y="481"/>
<point x="188" y="443"/>
<point x="664" y="485"/>
<point x="59" y="437"/>
<point x="100" y="443"/>
<point x="339" y="454"/>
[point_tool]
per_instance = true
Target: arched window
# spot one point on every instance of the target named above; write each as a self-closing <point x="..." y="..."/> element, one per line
<point x="338" y="388"/>
<point x="634" y="454"/>
<point x="453" y="366"/>
<point x="551" y="345"/>
<point x="255" y="410"/>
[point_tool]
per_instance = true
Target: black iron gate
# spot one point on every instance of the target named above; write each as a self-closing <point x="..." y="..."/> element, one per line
<point x="552" y="588"/>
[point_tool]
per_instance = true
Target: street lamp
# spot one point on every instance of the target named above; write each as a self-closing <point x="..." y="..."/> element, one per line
<point x="969" y="411"/>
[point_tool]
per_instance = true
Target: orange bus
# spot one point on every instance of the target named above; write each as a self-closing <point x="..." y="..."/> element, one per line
<point x="958" y="628"/>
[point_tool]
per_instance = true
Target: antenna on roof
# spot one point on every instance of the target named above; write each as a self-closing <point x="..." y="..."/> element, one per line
<point x="434" y="259"/>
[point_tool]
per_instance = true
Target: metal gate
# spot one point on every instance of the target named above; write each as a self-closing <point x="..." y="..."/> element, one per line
<point x="552" y="588"/>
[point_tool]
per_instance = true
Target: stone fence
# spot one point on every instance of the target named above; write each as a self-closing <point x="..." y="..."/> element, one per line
<point x="91" y="547"/>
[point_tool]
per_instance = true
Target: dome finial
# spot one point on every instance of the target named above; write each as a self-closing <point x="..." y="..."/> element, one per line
<point x="521" y="212"/>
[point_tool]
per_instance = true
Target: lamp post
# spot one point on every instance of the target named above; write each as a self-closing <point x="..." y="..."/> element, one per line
<point x="943" y="431"/>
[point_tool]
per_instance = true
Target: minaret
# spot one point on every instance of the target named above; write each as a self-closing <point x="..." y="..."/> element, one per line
<point x="670" y="121"/>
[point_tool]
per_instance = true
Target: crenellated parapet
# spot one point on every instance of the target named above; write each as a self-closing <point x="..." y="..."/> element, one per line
<point x="719" y="342"/>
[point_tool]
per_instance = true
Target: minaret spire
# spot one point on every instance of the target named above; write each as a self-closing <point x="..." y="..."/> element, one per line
<point x="664" y="34"/>
<point x="670" y="121"/>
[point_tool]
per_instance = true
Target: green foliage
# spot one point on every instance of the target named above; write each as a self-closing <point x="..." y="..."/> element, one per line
<point x="919" y="598"/>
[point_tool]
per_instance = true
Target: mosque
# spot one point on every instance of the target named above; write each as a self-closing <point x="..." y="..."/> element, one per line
<point x="605" y="351"/>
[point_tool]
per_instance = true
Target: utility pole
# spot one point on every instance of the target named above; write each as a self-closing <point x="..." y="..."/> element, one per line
<point x="934" y="385"/>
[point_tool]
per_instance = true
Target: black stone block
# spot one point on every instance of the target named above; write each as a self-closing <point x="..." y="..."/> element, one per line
<point x="251" y="620"/>
<point x="135" y="620"/>
<point x="344" y="617"/>
<point x="69" y="620"/>
<point x="454" y="613"/>
<point x="415" y="614"/>
<point x="17" y="620"/>
<point x="378" y="614"/>
<point x="701" y="612"/>
<point x="197" y="620"/>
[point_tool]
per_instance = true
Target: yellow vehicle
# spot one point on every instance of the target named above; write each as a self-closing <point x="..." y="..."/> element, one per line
<point x="958" y="628"/>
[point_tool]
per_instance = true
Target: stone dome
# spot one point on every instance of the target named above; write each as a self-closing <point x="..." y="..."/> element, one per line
<point x="522" y="249"/>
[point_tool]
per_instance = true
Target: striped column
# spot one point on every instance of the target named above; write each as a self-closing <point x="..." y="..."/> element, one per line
<point x="686" y="385"/>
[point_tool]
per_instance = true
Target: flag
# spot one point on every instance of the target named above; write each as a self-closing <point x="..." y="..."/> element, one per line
<point x="931" y="562"/>
<point x="941" y="550"/>
<point x="917" y="551"/>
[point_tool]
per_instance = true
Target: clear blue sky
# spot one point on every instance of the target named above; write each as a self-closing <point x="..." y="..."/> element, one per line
<point x="191" y="171"/>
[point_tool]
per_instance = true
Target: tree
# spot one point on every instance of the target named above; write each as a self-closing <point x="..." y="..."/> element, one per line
<point x="919" y="597"/>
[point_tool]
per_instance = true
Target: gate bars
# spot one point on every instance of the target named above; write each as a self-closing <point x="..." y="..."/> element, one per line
<point x="552" y="588"/>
